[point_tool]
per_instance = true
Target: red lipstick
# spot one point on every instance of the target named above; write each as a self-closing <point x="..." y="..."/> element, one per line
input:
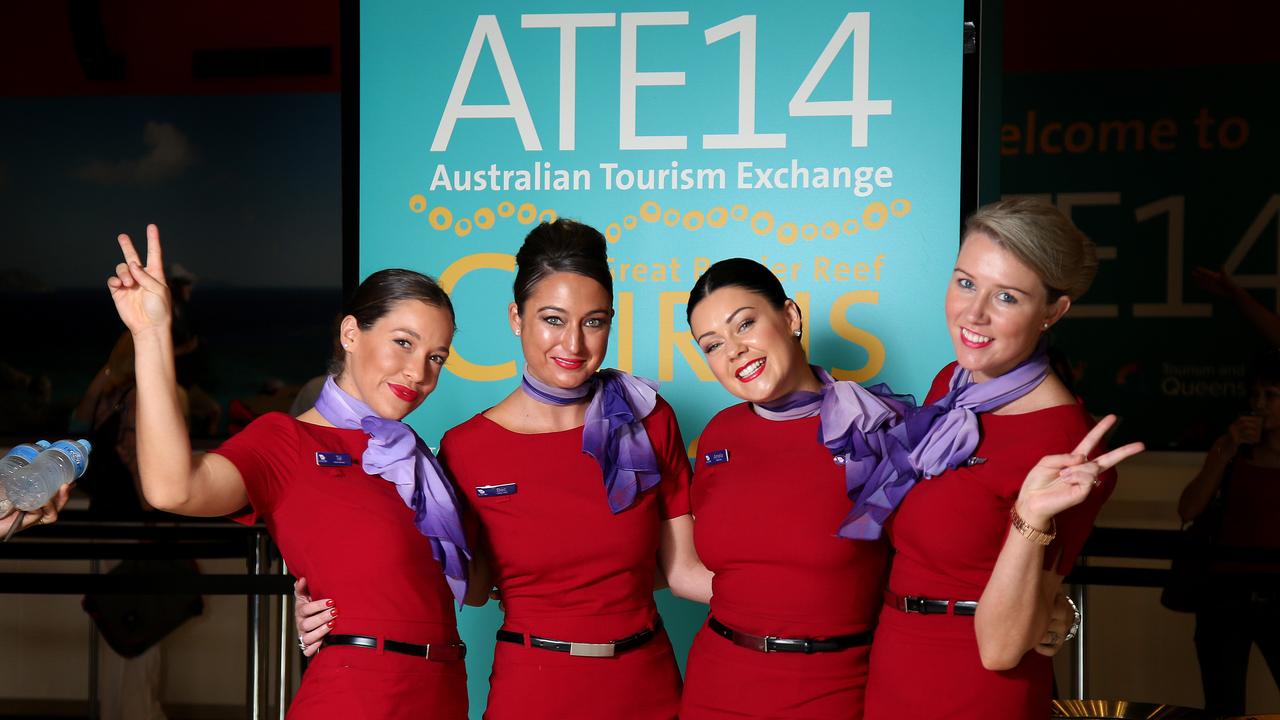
<point x="404" y="393"/>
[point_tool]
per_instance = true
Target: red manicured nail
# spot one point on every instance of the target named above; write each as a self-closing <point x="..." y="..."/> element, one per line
<point x="328" y="603"/>
<point x="331" y="623"/>
<point x="333" y="612"/>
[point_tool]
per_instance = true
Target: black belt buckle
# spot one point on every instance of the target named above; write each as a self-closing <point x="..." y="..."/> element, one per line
<point x="915" y="604"/>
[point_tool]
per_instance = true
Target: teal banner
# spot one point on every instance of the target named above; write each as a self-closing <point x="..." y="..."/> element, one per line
<point x="823" y="143"/>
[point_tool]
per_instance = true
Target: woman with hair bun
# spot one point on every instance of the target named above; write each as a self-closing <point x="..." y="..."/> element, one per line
<point x="580" y="480"/>
<point x="983" y="540"/>
<point x="353" y="498"/>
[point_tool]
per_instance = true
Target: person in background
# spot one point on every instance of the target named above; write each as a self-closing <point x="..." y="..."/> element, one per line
<point x="1237" y="491"/>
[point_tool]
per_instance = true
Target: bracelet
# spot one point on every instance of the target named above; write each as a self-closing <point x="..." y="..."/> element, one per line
<point x="1038" y="537"/>
<point x="1075" y="620"/>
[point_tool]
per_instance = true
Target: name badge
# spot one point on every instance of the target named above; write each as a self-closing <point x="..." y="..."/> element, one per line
<point x="496" y="490"/>
<point x="975" y="460"/>
<point x="715" y="457"/>
<point x="333" y="459"/>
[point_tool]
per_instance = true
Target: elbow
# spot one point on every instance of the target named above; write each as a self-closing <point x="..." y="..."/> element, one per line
<point x="998" y="658"/>
<point x="165" y="499"/>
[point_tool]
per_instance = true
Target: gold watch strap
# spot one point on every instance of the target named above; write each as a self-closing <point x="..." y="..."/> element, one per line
<point x="1039" y="537"/>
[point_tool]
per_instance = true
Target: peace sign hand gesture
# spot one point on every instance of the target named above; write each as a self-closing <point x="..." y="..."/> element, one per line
<point x="1060" y="482"/>
<point x="140" y="292"/>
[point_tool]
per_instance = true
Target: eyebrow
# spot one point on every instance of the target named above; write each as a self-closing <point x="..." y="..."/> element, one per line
<point x="556" y="308"/>
<point x="407" y="331"/>
<point x="727" y="321"/>
<point x="1006" y="287"/>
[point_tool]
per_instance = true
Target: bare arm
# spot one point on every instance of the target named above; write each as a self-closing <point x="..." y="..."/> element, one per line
<point x="172" y="479"/>
<point x="678" y="561"/>
<point x="1198" y="493"/>
<point x="1014" y="609"/>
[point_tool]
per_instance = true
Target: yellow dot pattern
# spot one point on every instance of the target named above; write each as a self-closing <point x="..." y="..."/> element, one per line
<point x="874" y="216"/>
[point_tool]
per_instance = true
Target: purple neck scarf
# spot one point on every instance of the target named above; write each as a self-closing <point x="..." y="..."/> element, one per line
<point x="935" y="438"/>
<point x="854" y="424"/>
<point x="397" y="454"/>
<point x="887" y="444"/>
<point x="613" y="433"/>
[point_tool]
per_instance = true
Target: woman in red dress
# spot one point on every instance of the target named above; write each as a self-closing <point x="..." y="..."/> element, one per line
<point x="794" y="602"/>
<point x="983" y="542"/>
<point x="579" y="479"/>
<point x="353" y="498"/>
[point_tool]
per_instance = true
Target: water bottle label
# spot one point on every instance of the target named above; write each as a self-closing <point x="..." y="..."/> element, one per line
<point x="74" y="453"/>
<point x="26" y="452"/>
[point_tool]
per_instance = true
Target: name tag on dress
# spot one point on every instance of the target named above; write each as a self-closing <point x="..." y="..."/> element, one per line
<point x="333" y="459"/>
<point x="715" y="457"/>
<point x="495" y="490"/>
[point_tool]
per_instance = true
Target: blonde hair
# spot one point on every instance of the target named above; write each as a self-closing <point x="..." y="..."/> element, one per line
<point x="1044" y="240"/>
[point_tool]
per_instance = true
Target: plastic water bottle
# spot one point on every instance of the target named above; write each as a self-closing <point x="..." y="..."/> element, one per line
<point x="32" y="486"/>
<point x="19" y="456"/>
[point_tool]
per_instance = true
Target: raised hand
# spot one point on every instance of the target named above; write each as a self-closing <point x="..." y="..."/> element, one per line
<point x="139" y="291"/>
<point x="1059" y="482"/>
<point x="313" y="619"/>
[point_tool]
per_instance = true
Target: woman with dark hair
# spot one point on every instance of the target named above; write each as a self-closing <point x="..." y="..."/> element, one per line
<point x="579" y="478"/>
<point x="794" y="602"/>
<point x="391" y="548"/>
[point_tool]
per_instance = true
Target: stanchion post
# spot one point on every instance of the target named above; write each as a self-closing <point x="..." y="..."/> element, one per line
<point x="1079" y="674"/>
<point x="286" y="650"/>
<point x="256" y="685"/>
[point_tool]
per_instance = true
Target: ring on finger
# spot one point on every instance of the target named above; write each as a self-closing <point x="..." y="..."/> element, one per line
<point x="302" y="645"/>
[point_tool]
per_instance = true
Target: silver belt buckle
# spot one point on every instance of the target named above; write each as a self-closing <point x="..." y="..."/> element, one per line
<point x="591" y="649"/>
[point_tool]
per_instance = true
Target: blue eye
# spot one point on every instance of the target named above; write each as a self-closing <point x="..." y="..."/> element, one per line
<point x="1005" y="297"/>
<point x="552" y="320"/>
<point x="595" y="322"/>
<point x="403" y="343"/>
<point x="745" y="325"/>
<point x="964" y="283"/>
<point x="710" y="348"/>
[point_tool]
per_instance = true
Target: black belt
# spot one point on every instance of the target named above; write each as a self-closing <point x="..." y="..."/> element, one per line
<point x="769" y="643"/>
<point x="578" y="649"/>
<point x="437" y="652"/>
<point x="930" y="606"/>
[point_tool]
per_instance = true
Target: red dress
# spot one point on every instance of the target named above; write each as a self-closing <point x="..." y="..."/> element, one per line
<point x="570" y="569"/>
<point x="947" y="534"/>
<point x="354" y="540"/>
<point x="766" y="525"/>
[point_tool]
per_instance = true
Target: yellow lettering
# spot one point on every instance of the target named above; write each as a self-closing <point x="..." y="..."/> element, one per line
<point x="860" y="271"/>
<point x="700" y="265"/>
<point x="845" y="329"/>
<point x="820" y="265"/>
<point x="448" y="280"/>
<point x="842" y="271"/>
<point x="669" y="338"/>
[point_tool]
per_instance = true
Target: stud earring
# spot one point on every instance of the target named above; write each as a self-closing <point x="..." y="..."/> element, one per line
<point x="797" y="333"/>
<point x="1045" y="326"/>
<point x="345" y="346"/>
